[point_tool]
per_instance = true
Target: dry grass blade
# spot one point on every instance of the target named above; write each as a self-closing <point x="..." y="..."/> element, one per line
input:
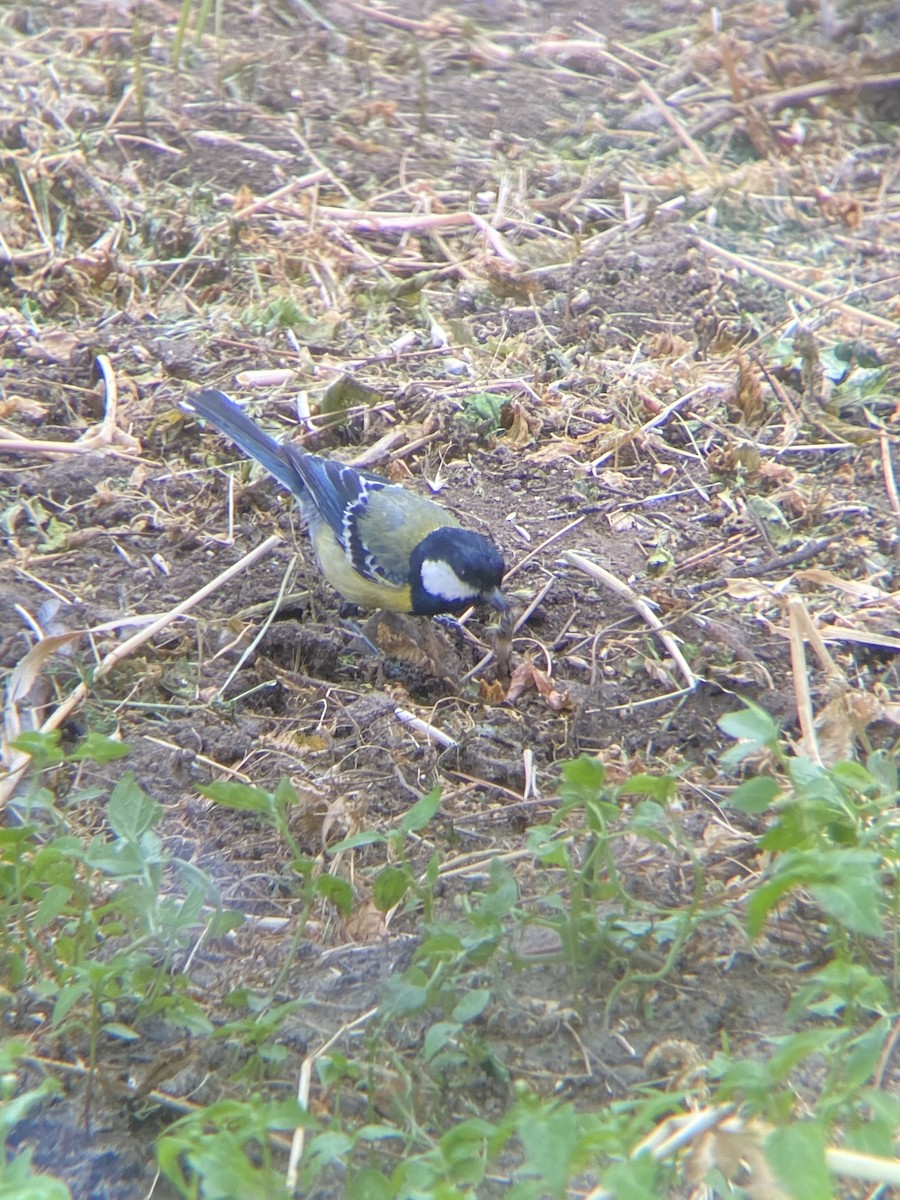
<point x="640" y="605"/>
<point x="715" y="1133"/>
<point x="105" y="436"/>
<point x="657" y="420"/>
<point x="799" y="289"/>
<point x="303" y="1088"/>
<point x="808" y="743"/>
<point x="424" y="727"/>
<point x="890" y="480"/>
<point x="677" y="127"/>
<point x="19" y="765"/>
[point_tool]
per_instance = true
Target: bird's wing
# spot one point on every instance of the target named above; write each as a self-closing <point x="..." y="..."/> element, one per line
<point x="377" y="524"/>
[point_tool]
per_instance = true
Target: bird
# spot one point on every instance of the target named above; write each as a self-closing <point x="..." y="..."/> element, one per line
<point x="378" y="545"/>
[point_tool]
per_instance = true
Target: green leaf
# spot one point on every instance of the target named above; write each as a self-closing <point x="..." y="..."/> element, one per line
<point x="584" y="775"/>
<point x="502" y="894"/>
<point x="885" y="1108"/>
<point x="421" y="812"/>
<point x="463" y="1150"/>
<point x="850" y="983"/>
<point x="860" y="1060"/>
<point x="884" y="767"/>
<point x="793" y="1048"/>
<point x="796" y="1153"/>
<point x="549" y="1137"/>
<point x="337" y="890"/>
<point x="485" y="408"/>
<point x="224" y="921"/>
<point x="845" y="882"/>
<point x="854" y="899"/>
<point x="439" y="1035"/>
<point x="754" y="795"/>
<point x="19" y="1181"/>
<point x="367" y="838"/>
<point x="43" y="747"/>
<point x="378" y="1133"/>
<point x="855" y="776"/>
<point x="468" y="1136"/>
<point x="443" y="946"/>
<point x="119" y="858"/>
<point x="240" y="796"/>
<point x="328" y="1147"/>
<point x="773" y="519"/>
<point x="432" y="871"/>
<point x="403" y="994"/>
<point x="763" y="899"/>
<point x="735" y="755"/>
<point x="369" y="1184"/>
<point x="11" y="1050"/>
<point x="471" y="1005"/>
<point x="131" y="812"/>
<point x="648" y="815"/>
<point x="285" y="793"/>
<point x="751" y="724"/>
<point x="68" y="997"/>
<point x="344" y="393"/>
<point x="52" y="903"/>
<point x="391" y="885"/>
<point x="658" y="787"/>
<point x="806" y="774"/>
<point x="544" y="842"/>
<point x="877" y="1136"/>
<point x="99" y="748"/>
<point x="124" y="1032"/>
<point x="637" y="1179"/>
<point x="16" y="1108"/>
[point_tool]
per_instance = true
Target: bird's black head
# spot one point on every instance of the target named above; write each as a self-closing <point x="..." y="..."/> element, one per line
<point x="453" y="568"/>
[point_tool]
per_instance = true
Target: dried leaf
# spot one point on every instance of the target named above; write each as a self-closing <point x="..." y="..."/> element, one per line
<point x="839" y="207"/>
<point x="526" y="675"/>
<point x="20" y="406"/>
<point x="667" y="345"/>
<point x="522" y="427"/>
<point x="30" y="665"/>
<point x="621" y="522"/>
<point x="492" y="693"/>
<point x="269" y="378"/>
<point x="616" y="481"/>
<point x="863" y="592"/>
<point x="54" y="345"/>
<point x="854" y="435"/>
<point x="749" y="397"/>
<point x="737" y="1155"/>
<point x="411" y="640"/>
<point x="365" y="923"/>
<point x="555" y="450"/>
<point x="847" y="717"/>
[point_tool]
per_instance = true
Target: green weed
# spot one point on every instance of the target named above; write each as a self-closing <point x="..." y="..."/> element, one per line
<point x="92" y="925"/>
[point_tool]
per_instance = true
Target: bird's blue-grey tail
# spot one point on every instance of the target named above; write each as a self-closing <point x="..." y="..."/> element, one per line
<point x="215" y="407"/>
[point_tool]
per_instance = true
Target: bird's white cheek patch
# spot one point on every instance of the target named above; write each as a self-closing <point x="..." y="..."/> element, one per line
<point x="439" y="579"/>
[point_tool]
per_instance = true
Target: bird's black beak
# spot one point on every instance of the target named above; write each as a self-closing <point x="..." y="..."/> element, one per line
<point x="496" y="599"/>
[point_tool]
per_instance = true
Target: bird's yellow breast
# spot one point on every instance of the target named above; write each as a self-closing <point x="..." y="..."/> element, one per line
<point x="339" y="572"/>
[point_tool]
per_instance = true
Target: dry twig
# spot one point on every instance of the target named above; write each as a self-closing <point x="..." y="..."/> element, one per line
<point x="20" y="760"/>
<point x="621" y="589"/>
